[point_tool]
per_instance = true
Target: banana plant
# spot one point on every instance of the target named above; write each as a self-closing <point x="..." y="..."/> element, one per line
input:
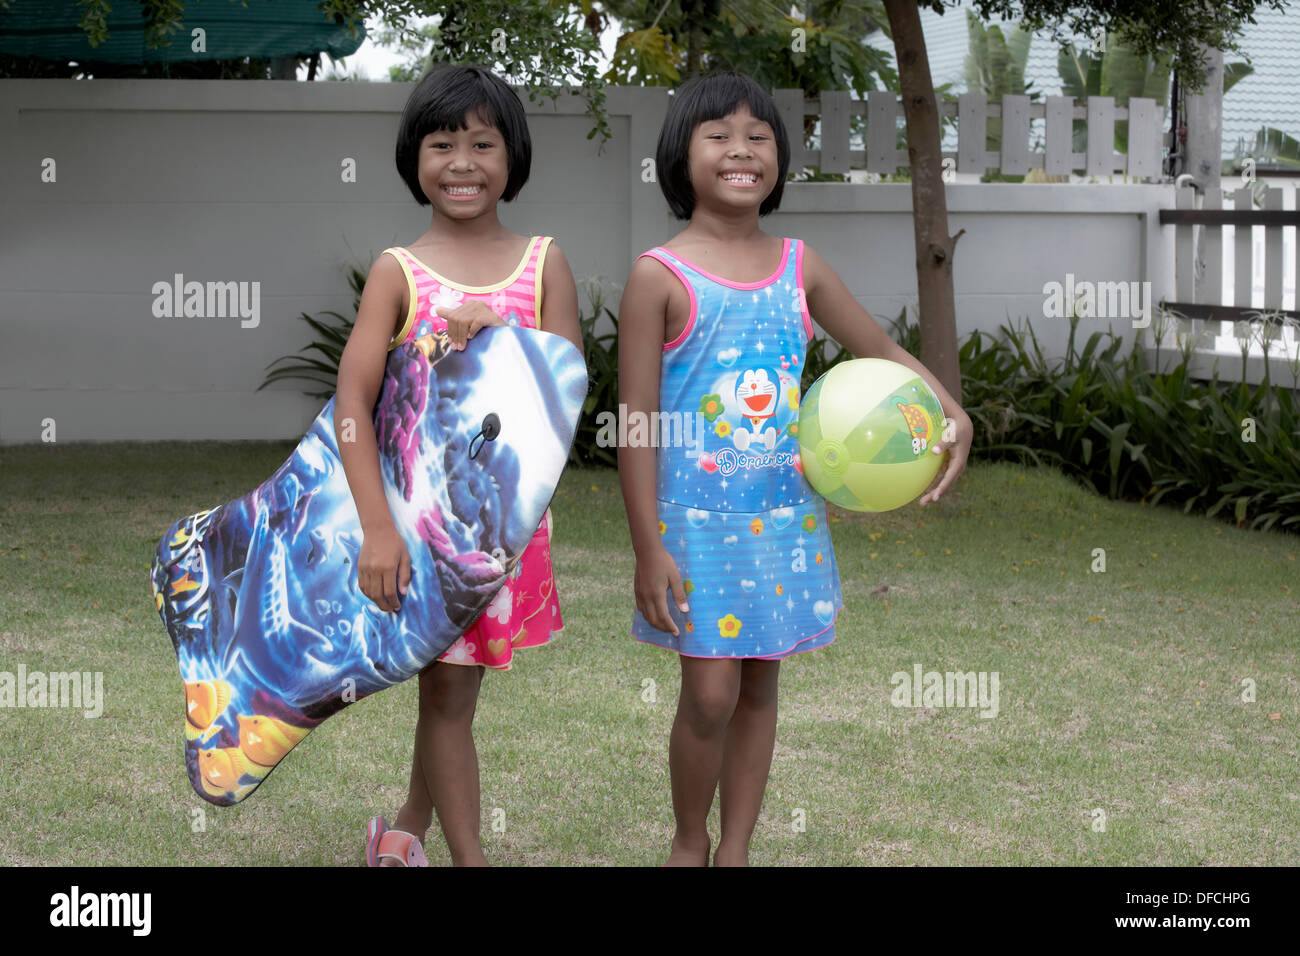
<point x="995" y="63"/>
<point x="1119" y="73"/>
<point x="1272" y="148"/>
<point x="995" y="66"/>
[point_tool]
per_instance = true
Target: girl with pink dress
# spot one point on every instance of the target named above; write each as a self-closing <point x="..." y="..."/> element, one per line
<point x="463" y="145"/>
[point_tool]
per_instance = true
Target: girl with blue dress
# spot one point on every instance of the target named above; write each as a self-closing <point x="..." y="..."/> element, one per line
<point x="734" y="565"/>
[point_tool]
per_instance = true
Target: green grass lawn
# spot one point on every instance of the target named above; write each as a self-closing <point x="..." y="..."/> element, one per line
<point x="1120" y="692"/>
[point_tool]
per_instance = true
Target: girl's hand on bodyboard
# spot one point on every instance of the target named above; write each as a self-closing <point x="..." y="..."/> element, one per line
<point x="463" y="321"/>
<point x="384" y="568"/>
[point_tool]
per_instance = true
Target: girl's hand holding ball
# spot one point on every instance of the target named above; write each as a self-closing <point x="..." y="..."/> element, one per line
<point x="960" y="448"/>
<point x="464" y="320"/>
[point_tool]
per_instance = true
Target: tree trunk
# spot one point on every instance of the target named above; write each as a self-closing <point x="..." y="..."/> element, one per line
<point x="934" y="247"/>
<point x="1204" y="142"/>
<point x="694" y="46"/>
<point x="1205" y="123"/>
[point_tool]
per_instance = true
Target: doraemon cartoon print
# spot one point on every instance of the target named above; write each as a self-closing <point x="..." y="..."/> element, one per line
<point x="757" y="393"/>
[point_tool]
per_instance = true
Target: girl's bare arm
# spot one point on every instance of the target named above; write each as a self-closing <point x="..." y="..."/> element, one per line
<point x="641" y="319"/>
<point x="559" y="297"/>
<point x="361" y="373"/>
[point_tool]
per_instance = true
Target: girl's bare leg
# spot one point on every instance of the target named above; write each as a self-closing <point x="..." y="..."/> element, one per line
<point x="444" y="771"/>
<point x="746" y="760"/>
<point x="695" y="751"/>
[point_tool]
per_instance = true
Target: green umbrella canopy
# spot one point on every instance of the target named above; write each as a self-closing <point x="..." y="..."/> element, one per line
<point x="50" y="29"/>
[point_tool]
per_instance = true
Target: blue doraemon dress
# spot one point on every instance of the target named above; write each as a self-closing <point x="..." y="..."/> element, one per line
<point x="747" y="531"/>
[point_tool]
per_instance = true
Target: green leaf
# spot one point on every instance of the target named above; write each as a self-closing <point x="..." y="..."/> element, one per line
<point x="1233" y="73"/>
<point x="1218" y="505"/>
<point x="1276" y="148"/>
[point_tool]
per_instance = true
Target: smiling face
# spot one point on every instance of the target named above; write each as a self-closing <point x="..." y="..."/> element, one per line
<point x="464" y="171"/>
<point x="733" y="161"/>
<point x="756" y="395"/>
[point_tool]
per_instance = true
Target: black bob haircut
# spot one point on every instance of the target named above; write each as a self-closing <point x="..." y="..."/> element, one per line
<point x="707" y="98"/>
<point x="443" y="100"/>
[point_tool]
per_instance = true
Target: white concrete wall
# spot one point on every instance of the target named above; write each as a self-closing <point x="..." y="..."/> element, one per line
<point x="1017" y="239"/>
<point x="240" y="181"/>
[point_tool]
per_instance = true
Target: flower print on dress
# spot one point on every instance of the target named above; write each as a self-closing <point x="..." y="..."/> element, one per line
<point x="501" y="606"/>
<point x="445" y="297"/>
<point x="462" y="652"/>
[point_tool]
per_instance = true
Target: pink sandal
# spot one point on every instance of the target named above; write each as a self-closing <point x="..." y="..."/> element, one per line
<point x="374" y="830"/>
<point x="383" y="843"/>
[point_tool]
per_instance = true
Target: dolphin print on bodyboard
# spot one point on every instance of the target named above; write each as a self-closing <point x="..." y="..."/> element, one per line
<point x="260" y="596"/>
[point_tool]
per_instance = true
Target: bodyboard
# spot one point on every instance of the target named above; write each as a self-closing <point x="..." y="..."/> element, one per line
<point x="259" y="595"/>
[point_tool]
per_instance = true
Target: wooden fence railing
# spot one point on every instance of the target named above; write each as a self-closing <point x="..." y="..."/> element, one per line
<point x="1201" y="297"/>
<point x="1199" y="306"/>
<point x="973" y="111"/>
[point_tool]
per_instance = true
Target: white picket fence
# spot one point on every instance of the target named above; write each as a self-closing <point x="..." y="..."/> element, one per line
<point x="1201" y="315"/>
<point x="883" y="109"/>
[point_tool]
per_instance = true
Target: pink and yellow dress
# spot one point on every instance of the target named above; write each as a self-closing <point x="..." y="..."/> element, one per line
<point x="526" y="611"/>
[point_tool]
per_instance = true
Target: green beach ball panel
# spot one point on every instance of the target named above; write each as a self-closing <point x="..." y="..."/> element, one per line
<point x="857" y="450"/>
